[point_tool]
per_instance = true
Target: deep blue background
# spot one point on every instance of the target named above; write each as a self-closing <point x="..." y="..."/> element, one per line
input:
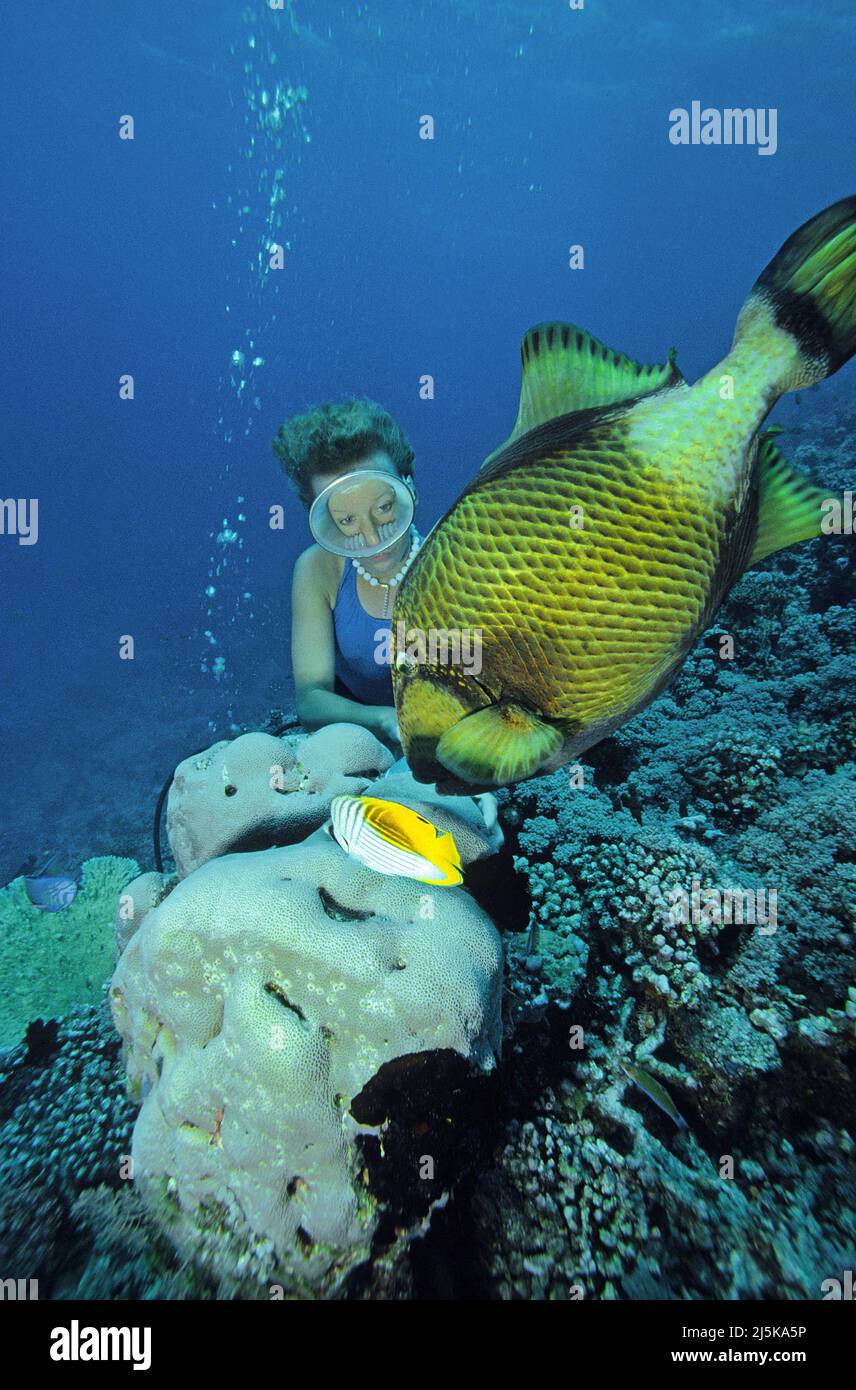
<point x="405" y="257"/>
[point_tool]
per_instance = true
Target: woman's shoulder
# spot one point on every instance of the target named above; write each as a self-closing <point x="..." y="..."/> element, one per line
<point x="317" y="568"/>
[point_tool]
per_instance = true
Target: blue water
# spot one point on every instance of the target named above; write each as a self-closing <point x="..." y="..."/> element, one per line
<point x="403" y="257"/>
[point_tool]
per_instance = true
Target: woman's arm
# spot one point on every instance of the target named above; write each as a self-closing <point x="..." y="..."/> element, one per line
<point x="313" y="654"/>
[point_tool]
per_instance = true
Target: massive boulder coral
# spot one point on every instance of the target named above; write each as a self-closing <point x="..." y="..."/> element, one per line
<point x="257" y="1003"/>
<point x="138" y="899"/>
<point x="257" y="790"/>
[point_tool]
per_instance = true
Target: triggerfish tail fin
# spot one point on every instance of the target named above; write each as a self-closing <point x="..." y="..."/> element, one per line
<point x="565" y="369"/>
<point x="498" y="745"/>
<point x="805" y="300"/>
<point x="790" y="508"/>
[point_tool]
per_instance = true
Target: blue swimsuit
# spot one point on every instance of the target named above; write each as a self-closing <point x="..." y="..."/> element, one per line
<point x="355" y="629"/>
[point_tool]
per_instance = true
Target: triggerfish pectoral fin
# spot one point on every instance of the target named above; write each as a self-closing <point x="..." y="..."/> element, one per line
<point x="498" y="745"/>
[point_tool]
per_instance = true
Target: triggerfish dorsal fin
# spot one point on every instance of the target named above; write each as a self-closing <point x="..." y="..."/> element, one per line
<point x="565" y="369"/>
<point x="498" y="745"/>
<point x="790" y="508"/>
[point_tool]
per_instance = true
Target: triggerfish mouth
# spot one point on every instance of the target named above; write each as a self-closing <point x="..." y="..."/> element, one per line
<point x="393" y="839"/>
<point x="594" y="546"/>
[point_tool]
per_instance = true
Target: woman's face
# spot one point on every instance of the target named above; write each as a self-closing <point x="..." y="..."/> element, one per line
<point x="366" y="507"/>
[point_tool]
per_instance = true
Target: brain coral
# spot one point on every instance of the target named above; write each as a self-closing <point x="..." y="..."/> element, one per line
<point x="256" y="1002"/>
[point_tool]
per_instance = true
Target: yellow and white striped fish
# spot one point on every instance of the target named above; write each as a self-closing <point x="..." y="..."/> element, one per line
<point x="393" y="839"/>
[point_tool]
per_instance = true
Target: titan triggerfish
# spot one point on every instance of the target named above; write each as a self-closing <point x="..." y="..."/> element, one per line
<point x="595" y="545"/>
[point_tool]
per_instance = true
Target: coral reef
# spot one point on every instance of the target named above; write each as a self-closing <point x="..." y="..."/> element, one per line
<point x="258" y="1001"/>
<point x="65" y="1125"/>
<point x="51" y="961"/>
<point x="257" y="790"/>
<point x="607" y="876"/>
<point x="678" y="922"/>
<point x="693" y="915"/>
<point x="599" y="1207"/>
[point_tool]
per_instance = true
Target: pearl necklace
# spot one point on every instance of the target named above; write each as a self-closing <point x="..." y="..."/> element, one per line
<point x="415" y="543"/>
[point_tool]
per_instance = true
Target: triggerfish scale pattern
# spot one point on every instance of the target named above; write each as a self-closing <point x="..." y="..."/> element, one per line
<point x="634" y="578"/>
<point x="594" y="546"/>
<point x="393" y="839"/>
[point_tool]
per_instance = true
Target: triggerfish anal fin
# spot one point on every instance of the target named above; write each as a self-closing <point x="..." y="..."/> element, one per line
<point x="498" y="745"/>
<point x="789" y="506"/>
<point x="565" y="369"/>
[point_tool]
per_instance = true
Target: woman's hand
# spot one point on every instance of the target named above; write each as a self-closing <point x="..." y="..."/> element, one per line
<point x="386" y="727"/>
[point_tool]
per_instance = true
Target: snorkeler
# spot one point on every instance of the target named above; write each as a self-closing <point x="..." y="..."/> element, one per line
<point x="351" y="465"/>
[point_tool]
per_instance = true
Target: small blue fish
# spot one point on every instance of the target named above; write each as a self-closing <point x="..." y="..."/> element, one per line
<point x="51" y="892"/>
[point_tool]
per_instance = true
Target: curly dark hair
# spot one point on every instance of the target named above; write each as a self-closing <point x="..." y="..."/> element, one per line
<point x="333" y="436"/>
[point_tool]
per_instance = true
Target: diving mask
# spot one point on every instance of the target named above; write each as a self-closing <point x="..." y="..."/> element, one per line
<point x="367" y="503"/>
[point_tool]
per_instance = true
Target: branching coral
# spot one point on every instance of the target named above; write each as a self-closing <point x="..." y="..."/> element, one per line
<point x="736" y="774"/>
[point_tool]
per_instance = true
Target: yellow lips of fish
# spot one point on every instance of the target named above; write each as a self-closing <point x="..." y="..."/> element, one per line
<point x="393" y="839"/>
